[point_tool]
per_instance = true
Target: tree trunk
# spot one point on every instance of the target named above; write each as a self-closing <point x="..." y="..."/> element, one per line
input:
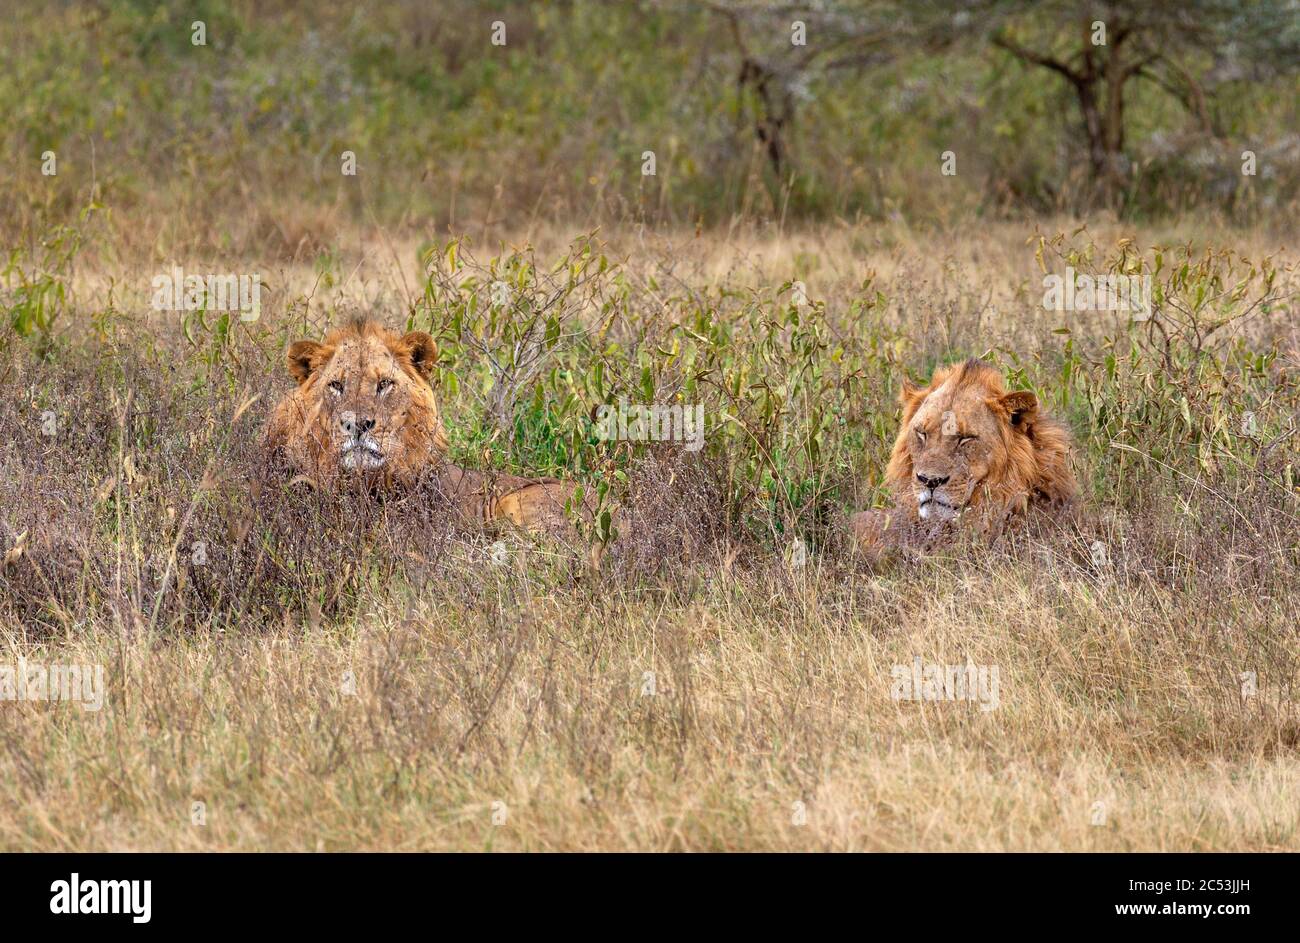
<point x="774" y="111"/>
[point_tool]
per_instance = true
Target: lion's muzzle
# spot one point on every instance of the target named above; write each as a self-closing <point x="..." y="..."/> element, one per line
<point x="359" y="450"/>
<point x="932" y="501"/>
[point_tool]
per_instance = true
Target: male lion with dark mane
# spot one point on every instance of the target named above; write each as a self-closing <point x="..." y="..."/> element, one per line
<point x="968" y="452"/>
<point x="364" y="411"/>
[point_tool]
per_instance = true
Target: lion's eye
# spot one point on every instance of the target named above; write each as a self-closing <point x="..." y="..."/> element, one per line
<point x="962" y="440"/>
<point x="336" y="387"/>
<point x="383" y="387"/>
<point x="920" y="436"/>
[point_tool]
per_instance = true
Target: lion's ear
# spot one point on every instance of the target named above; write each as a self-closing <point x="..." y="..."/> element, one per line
<point x="301" y="359"/>
<point x="910" y="398"/>
<point x="421" y="350"/>
<point x="908" y="392"/>
<point x="1021" y="407"/>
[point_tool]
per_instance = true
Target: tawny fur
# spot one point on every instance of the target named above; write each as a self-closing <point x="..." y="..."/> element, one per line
<point x="1021" y="458"/>
<point x="304" y="427"/>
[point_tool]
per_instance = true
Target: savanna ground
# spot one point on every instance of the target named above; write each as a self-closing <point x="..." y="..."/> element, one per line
<point x="332" y="672"/>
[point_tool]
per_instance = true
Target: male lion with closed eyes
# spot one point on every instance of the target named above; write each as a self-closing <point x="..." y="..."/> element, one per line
<point x="364" y="411"/>
<point x="970" y="453"/>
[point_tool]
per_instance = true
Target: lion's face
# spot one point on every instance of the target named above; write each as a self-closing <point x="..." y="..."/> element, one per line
<point x="965" y="440"/>
<point x="363" y="405"/>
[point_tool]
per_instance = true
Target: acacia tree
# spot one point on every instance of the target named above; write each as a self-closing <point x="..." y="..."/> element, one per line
<point x="1189" y="49"/>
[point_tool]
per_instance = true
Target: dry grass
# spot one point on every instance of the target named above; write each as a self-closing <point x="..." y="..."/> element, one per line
<point x="1122" y="720"/>
<point x="767" y="692"/>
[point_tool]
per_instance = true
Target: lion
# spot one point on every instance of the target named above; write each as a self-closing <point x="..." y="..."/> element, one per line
<point x="364" y="411"/>
<point x="969" y="452"/>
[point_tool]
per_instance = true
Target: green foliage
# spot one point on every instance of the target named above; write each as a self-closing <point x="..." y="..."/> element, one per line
<point x="780" y="386"/>
<point x="1183" y="393"/>
<point x="36" y="284"/>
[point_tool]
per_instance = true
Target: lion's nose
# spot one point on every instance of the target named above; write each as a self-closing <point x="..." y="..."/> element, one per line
<point x="932" y="481"/>
<point x="353" y="426"/>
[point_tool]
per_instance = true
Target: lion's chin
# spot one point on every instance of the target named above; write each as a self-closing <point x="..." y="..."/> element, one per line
<point x="362" y="460"/>
<point x="932" y="509"/>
